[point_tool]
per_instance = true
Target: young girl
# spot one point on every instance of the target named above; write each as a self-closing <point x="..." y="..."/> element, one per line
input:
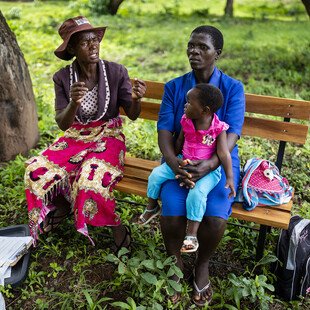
<point x="202" y="134"/>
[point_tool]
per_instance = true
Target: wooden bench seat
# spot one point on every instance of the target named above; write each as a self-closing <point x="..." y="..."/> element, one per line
<point x="267" y="117"/>
<point x="135" y="182"/>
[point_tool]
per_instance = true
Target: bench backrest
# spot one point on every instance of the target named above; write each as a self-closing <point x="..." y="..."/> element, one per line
<point x="258" y="109"/>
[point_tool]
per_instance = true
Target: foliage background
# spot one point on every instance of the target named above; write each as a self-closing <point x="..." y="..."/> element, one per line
<point x="266" y="47"/>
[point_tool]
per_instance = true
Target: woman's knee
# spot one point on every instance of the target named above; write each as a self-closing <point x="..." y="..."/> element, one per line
<point x="173" y="199"/>
<point x="213" y="225"/>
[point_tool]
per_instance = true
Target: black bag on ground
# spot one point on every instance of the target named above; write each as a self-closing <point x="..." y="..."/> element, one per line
<point x="293" y="268"/>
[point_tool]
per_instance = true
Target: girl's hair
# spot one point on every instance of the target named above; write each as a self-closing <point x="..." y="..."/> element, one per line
<point x="214" y="33"/>
<point x="209" y="96"/>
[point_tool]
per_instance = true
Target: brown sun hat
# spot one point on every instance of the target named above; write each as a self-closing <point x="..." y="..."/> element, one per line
<point x="71" y="26"/>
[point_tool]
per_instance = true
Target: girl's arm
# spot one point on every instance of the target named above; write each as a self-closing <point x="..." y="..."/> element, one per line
<point x="167" y="147"/>
<point x="179" y="143"/>
<point x="223" y="153"/>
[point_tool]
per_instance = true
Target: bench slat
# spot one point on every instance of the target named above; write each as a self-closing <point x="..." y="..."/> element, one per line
<point x="135" y="173"/>
<point x="132" y="186"/>
<point x="290" y="108"/>
<point x="154" y="90"/>
<point x="275" y="130"/>
<point x="262" y="215"/>
<point x="141" y="163"/>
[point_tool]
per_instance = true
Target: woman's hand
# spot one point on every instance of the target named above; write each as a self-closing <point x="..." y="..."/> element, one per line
<point x="138" y="89"/>
<point x="77" y="92"/>
<point x="182" y="174"/>
<point x="199" y="168"/>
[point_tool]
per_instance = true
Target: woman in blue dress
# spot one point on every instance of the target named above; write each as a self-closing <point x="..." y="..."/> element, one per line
<point x="203" y="50"/>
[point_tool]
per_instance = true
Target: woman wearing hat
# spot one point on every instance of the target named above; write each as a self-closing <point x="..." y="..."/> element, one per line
<point x="79" y="171"/>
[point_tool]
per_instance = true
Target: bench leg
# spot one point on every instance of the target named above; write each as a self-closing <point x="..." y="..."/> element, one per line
<point x="261" y="241"/>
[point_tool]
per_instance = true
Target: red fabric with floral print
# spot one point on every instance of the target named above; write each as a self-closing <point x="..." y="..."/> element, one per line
<point x="84" y="165"/>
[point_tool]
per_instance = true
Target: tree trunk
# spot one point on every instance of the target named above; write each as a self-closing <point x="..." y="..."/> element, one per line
<point x="307" y="6"/>
<point x="18" y="117"/>
<point x="229" y="10"/>
<point x="114" y="5"/>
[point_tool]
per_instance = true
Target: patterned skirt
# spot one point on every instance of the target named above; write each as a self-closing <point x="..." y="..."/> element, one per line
<point x="84" y="165"/>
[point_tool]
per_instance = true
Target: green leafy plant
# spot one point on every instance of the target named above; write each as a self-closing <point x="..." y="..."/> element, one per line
<point x="95" y="304"/>
<point x="56" y="269"/>
<point x="250" y="287"/>
<point x="148" y="274"/>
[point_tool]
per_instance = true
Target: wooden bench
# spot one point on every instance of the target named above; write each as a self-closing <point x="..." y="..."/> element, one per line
<point x="256" y="124"/>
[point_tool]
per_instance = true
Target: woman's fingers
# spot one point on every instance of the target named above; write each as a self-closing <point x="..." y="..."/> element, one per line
<point x="139" y="88"/>
<point x="78" y="91"/>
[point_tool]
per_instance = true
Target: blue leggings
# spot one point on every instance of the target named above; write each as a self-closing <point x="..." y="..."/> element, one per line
<point x="173" y="197"/>
<point x="196" y="200"/>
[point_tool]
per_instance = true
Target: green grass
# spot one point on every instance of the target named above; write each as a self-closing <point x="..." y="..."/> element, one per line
<point x="266" y="47"/>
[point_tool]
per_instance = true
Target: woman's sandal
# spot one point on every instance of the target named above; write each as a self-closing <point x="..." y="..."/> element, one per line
<point x="143" y="221"/>
<point x="52" y="220"/>
<point x="203" y="298"/>
<point x="190" y="244"/>
<point x="127" y="239"/>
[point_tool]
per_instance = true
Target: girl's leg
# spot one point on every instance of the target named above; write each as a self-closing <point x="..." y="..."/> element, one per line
<point x="196" y="201"/>
<point x="196" y="204"/>
<point x="158" y="176"/>
<point x="190" y="243"/>
<point x="192" y="228"/>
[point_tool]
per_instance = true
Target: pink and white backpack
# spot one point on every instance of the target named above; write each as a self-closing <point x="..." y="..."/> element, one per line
<point x="262" y="184"/>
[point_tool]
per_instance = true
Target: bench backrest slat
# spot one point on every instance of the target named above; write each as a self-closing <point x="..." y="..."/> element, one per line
<point x="154" y="90"/>
<point x="254" y="125"/>
<point x="274" y="130"/>
<point x="290" y="108"/>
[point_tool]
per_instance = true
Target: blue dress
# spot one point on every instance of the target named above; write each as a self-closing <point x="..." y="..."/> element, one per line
<point x="232" y="112"/>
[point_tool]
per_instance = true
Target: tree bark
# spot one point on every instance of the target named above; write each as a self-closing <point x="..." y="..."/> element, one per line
<point x="114" y="5"/>
<point x="18" y="117"/>
<point x="307" y="6"/>
<point x="229" y="8"/>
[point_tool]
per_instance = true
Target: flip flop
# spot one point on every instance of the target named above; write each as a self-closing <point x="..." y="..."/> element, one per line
<point x="200" y="293"/>
<point x="142" y="221"/>
<point x="190" y="244"/>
